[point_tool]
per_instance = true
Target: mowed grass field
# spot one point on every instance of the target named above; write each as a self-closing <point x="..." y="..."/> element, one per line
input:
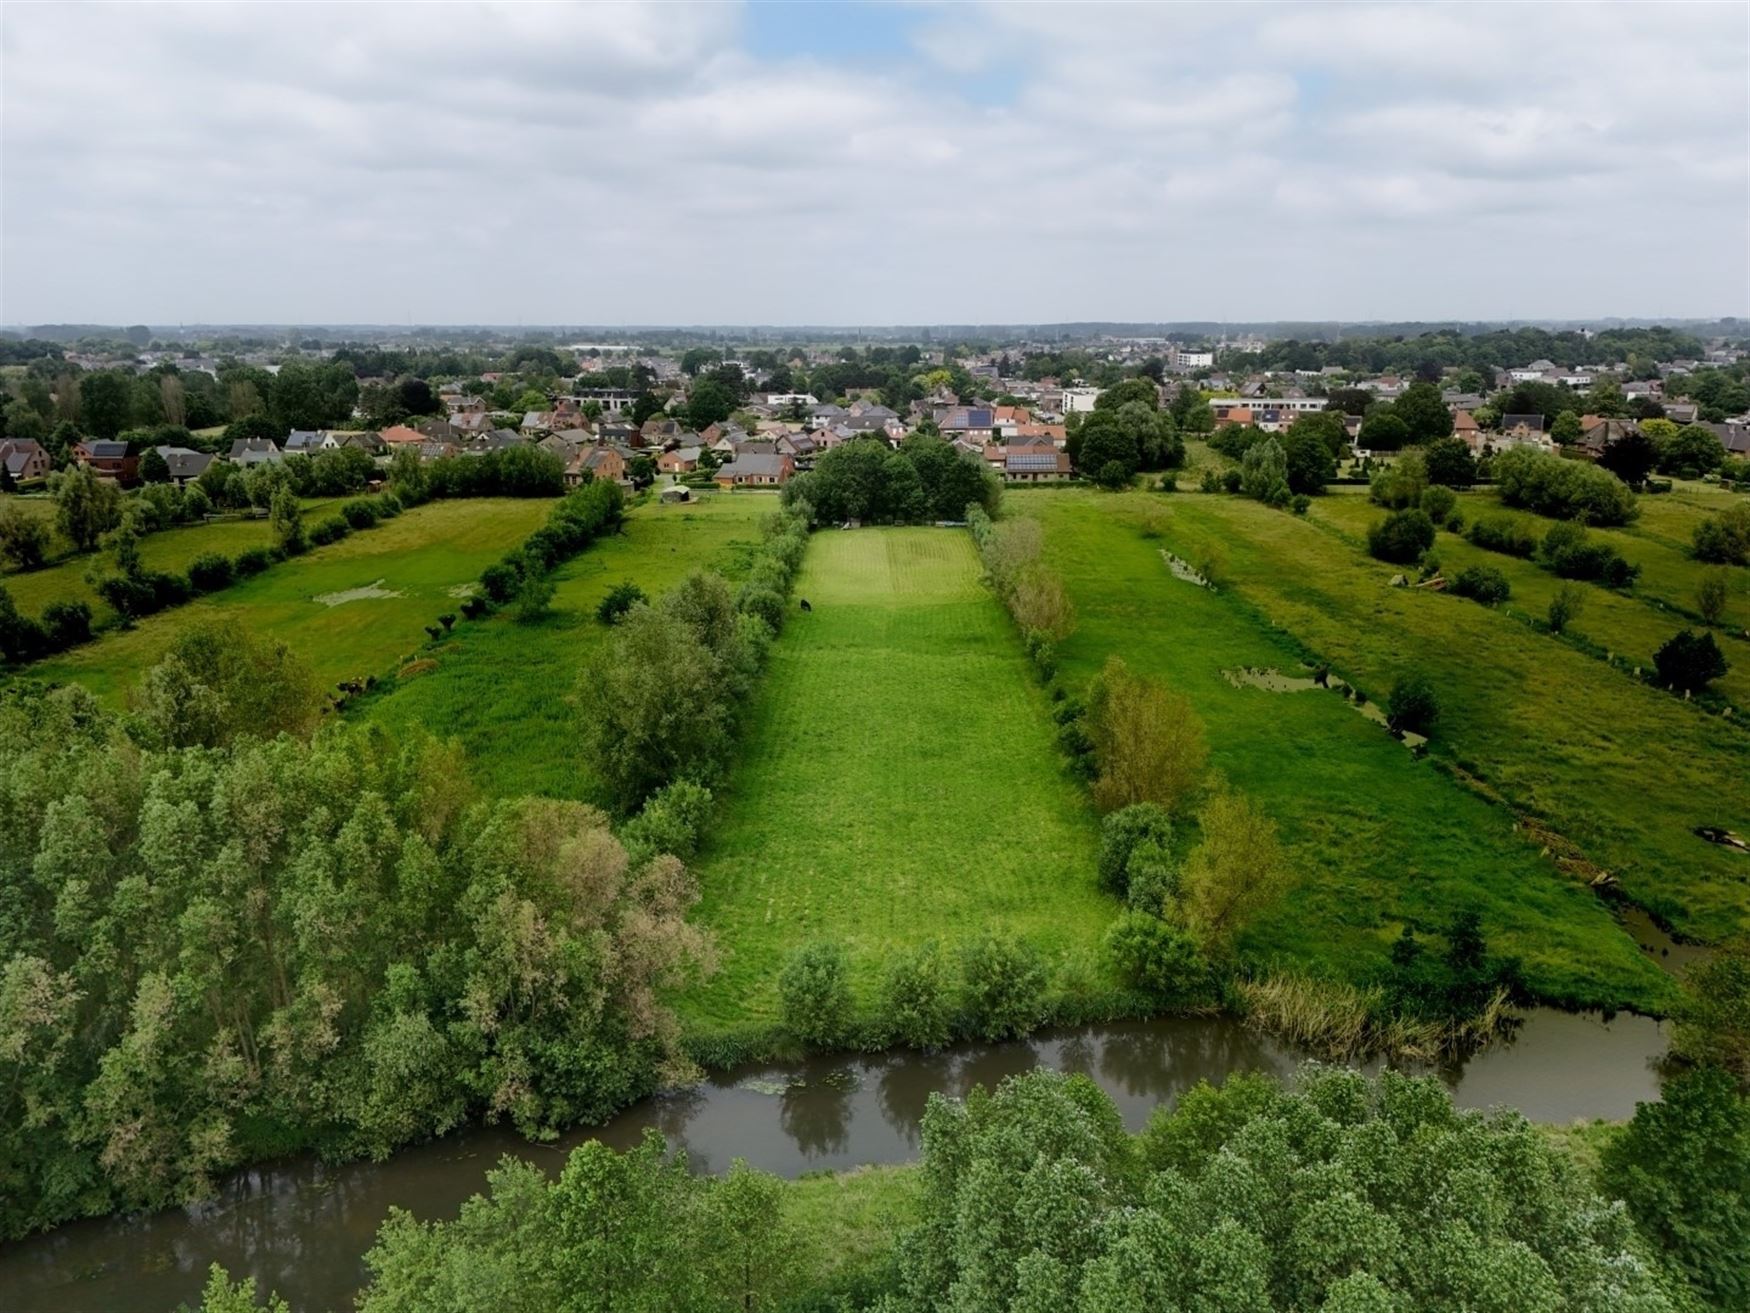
<point x="419" y="560"/>
<point x="506" y="689"/>
<point x="1620" y="769"/>
<point x="1379" y="838"/>
<point x="169" y="549"/>
<point x="899" y="782"/>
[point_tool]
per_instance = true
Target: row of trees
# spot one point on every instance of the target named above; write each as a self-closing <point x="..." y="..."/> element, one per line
<point x="1340" y="1191"/>
<point x="660" y="701"/>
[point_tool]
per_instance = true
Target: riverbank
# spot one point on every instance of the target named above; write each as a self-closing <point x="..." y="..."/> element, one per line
<point x="302" y="1227"/>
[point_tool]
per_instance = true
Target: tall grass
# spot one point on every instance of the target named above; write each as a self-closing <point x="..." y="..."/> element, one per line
<point x="1337" y="1020"/>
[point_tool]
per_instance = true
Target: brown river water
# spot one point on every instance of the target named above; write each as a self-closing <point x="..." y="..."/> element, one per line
<point x="301" y="1227"/>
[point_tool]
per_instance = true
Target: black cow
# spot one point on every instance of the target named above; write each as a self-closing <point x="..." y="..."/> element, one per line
<point x="805" y="605"/>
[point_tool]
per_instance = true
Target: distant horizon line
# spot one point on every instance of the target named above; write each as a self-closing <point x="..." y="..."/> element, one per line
<point x="866" y="327"/>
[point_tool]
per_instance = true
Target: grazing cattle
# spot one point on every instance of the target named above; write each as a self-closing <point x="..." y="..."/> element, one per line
<point x="805" y="605"/>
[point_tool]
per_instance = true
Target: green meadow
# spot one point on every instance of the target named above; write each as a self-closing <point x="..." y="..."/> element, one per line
<point x="505" y="688"/>
<point x="169" y="549"/>
<point x="1618" y="769"/>
<point x="351" y="609"/>
<point x="898" y="782"/>
<point x="1631" y="623"/>
<point x="1379" y="837"/>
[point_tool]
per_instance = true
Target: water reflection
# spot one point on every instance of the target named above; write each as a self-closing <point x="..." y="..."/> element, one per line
<point x="302" y="1227"/>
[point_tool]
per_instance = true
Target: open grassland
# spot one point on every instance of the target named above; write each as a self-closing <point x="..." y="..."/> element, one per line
<point x="1620" y="769"/>
<point x="1631" y="623"/>
<point x="169" y="549"/>
<point x="899" y="782"/>
<point x="505" y="688"/>
<point x="1379" y="837"/>
<point x="418" y="561"/>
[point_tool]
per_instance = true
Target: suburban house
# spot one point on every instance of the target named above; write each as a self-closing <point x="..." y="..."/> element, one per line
<point x="1735" y="438"/>
<point x="1598" y="432"/>
<point x="1467" y="430"/>
<point x="977" y="422"/>
<point x="185" y="464"/>
<point x="399" y="435"/>
<point x="364" y="439"/>
<point x="108" y="459"/>
<point x="1522" y="431"/>
<point x="603" y="464"/>
<point x="683" y="460"/>
<point x="1034" y="464"/>
<point x="471" y="421"/>
<point x="25" y="459"/>
<point x="304" y="441"/>
<point x="756" y="471"/>
<point x="254" y="451"/>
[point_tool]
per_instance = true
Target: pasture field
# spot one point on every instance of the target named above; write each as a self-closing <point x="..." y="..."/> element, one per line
<point x="1621" y="770"/>
<point x="418" y="561"/>
<point x="1379" y="837"/>
<point x="898" y="782"/>
<point x="506" y="689"/>
<point x="1630" y="623"/>
<point x="169" y="549"/>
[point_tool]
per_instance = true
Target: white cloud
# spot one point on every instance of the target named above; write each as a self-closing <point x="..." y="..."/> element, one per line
<point x="640" y="164"/>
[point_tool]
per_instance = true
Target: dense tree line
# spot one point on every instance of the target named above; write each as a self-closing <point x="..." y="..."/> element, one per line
<point x="216" y="946"/>
<point x="1428" y="353"/>
<point x="1341" y="1193"/>
<point x="865" y="479"/>
<point x="1562" y="488"/>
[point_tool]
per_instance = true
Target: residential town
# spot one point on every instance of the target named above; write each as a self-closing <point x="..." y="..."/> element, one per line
<point x="752" y="417"/>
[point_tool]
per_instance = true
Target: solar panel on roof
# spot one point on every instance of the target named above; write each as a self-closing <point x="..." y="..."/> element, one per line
<point x="979" y="419"/>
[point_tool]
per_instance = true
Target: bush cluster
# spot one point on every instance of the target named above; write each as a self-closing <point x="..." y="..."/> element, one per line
<point x="992" y="988"/>
<point x="1565" y="489"/>
<point x="1569" y="552"/>
<point x="1724" y="539"/>
<point x="1508" y="534"/>
<point x="1401" y="537"/>
<point x="1482" y="583"/>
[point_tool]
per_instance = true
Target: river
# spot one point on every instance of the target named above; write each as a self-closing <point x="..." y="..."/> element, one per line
<point x="301" y="1228"/>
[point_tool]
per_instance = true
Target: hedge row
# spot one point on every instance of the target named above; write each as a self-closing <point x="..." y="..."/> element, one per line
<point x="577" y="520"/>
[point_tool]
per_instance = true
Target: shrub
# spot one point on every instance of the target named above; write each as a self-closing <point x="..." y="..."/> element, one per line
<point x="1439" y="502"/>
<point x="253" y="561"/>
<point x="331" y="530"/>
<point x="1400" y="485"/>
<point x="66" y="624"/>
<point x="1565" y="608"/>
<point x="533" y="599"/>
<point x="1571" y="553"/>
<point x="916" y="1002"/>
<point x="1002" y="987"/>
<point x="1412" y="705"/>
<point x="1401" y="537"/>
<point x="815" y="994"/>
<point x="1482" y="583"/>
<point x="763" y="603"/>
<point x="1507" y="534"/>
<point x="1210" y="482"/>
<point x="1712" y="591"/>
<point x="501" y="581"/>
<point x="620" y="599"/>
<point x="672" y="820"/>
<point x="210" y="571"/>
<point x="1122" y="833"/>
<point x="1230" y="481"/>
<point x="360" y="513"/>
<point x="1156" y="957"/>
<point x="1689" y="662"/>
<point x="1300" y="503"/>
<point x="1724" y="539"/>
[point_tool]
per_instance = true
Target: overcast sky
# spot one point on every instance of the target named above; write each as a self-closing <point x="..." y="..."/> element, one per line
<point x="867" y="165"/>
